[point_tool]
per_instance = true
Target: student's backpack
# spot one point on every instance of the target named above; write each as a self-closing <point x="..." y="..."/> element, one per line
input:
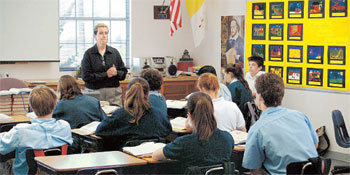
<point x="323" y="143"/>
<point x="251" y="114"/>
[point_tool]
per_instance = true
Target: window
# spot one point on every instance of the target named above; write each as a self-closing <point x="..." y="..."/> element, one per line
<point x="77" y="19"/>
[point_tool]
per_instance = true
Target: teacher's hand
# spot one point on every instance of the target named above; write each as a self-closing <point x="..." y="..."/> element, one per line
<point x="112" y="71"/>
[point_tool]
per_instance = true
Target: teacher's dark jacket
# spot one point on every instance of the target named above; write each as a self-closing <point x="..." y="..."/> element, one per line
<point x="94" y="68"/>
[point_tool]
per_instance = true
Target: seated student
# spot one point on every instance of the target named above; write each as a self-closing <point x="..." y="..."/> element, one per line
<point x="240" y="92"/>
<point x="43" y="133"/>
<point x="281" y="135"/>
<point x="256" y="64"/>
<point x="74" y="107"/>
<point x="227" y="114"/>
<point x="136" y="120"/>
<point x="207" y="145"/>
<point x="155" y="80"/>
<point x="223" y="90"/>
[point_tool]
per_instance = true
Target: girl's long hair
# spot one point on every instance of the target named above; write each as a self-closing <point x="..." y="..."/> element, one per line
<point x="201" y="109"/>
<point x="68" y="87"/>
<point x="136" y="101"/>
<point x="237" y="71"/>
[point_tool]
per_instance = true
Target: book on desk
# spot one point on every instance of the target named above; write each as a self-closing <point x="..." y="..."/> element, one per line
<point x="144" y="149"/>
<point x="87" y="129"/>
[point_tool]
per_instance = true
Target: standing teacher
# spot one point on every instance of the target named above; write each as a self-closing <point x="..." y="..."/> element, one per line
<point x="103" y="68"/>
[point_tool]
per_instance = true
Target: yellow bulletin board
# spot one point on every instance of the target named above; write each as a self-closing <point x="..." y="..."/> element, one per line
<point x="307" y="42"/>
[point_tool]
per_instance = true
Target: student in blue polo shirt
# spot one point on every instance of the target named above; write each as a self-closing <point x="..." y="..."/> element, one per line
<point x="281" y="135"/>
<point x="74" y="107"/>
<point x="238" y="86"/>
<point x="155" y="80"/>
<point x="136" y="120"/>
<point x="43" y="133"/>
<point x="207" y="145"/>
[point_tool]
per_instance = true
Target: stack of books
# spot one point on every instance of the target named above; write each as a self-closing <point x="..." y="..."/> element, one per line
<point x="20" y="104"/>
<point x="6" y="104"/>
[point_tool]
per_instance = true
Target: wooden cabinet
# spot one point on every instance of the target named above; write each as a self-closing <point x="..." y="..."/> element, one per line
<point x="172" y="88"/>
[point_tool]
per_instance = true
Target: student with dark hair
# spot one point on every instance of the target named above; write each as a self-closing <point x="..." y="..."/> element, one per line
<point x="238" y="86"/>
<point x="155" y="80"/>
<point x="136" y="120"/>
<point x="223" y="90"/>
<point x="281" y="135"/>
<point x="74" y="107"/>
<point x="207" y="145"/>
<point x="43" y="133"/>
<point x="227" y="113"/>
<point x="256" y="64"/>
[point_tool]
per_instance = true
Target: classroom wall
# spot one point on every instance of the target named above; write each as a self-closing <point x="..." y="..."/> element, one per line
<point x="151" y="38"/>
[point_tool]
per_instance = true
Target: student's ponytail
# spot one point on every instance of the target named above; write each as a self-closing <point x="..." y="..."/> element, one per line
<point x="201" y="109"/>
<point x="236" y="70"/>
<point x="136" y="101"/>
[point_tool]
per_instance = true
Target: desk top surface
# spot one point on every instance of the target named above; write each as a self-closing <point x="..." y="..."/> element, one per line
<point x="75" y="162"/>
<point x="18" y="119"/>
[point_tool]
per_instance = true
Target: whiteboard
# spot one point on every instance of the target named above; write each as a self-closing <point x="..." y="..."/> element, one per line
<point x="29" y="30"/>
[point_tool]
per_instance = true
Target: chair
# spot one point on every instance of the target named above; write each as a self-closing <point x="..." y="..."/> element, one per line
<point x="225" y="168"/>
<point x="317" y="165"/>
<point x="31" y="153"/>
<point x="8" y="83"/>
<point x="341" y="137"/>
<point x="99" y="171"/>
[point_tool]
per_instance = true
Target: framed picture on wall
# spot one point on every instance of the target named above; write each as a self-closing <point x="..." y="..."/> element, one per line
<point x="336" y="78"/>
<point x="316" y="8"/>
<point x="278" y="70"/>
<point x="338" y="8"/>
<point x="294" y="75"/>
<point x="259" y="11"/>
<point x="314" y="77"/>
<point x="295" y="54"/>
<point x="295" y="32"/>
<point x="258" y="31"/>
<point x="336" y="55"/>
<point x="276" y="32"/>
<point x="275" y="52"/>
<point x="315" y="54"/>
<point x="258" y="50"/>
<point x="276" y="10"/>
<point x="296" y="9"/>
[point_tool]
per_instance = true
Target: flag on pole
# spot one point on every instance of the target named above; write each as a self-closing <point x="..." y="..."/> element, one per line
<point x="197" y="12"/>
<point x="175" y="16"/>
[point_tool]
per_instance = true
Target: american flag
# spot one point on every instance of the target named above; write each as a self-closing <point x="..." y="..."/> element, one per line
<point x="175" y="16"/>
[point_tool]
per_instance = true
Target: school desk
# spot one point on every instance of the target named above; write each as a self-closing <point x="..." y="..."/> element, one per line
<point x="67" y="164"/>
<point x="17" y="119"/>
<point x="88" y="143"/>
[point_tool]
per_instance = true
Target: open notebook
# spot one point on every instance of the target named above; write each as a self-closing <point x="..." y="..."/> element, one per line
<point x="239" y="137"/>
<point x="176" y="104"/>
<point x="178" y="123"/>
<point x="146" y="148"/>
<point x="87" y="129"/>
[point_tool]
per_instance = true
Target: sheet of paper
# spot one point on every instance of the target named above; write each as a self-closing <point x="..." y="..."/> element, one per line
<point x="176" y="104"/>
<point x="143" y="149"/>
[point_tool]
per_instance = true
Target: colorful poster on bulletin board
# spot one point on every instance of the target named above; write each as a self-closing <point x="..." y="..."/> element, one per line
<point x="306" y="42"/>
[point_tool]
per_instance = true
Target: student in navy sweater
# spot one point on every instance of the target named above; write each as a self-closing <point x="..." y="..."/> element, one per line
<point x="74" y="107"/>
<point x="155" y="80"/>
<point x="207" y="145"/>
<point x="238" y="86"/>
<point x="136" y="120"/>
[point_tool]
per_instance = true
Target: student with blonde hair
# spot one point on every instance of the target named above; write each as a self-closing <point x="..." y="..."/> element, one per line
<point x="227" y="114"/>
<point x="74" y="107"/>
<point x="238" y="86"/>
<point x="43" y="133"/>
<point x="207" y="145"/>
<point x="136" y="120"/>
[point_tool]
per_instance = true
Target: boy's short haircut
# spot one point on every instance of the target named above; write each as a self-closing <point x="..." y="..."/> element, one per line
<point x="257" y="59"/>
<point x="42" y="100"/>
<point x="206" y="69"/>
<point x="153" y="77"/>
<point x="271" y="88"/>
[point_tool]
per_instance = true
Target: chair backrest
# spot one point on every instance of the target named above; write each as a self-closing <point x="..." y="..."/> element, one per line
<point x="7" y="127"/>
<point x="251" y="114"/>
<point x="31" y="153"/>
<point x="317" y="165"/>
<point x="341" y="133"/>
<point x="225" y="168"/>
<point x="8" y="83"/>
<point x="97" y="171"/>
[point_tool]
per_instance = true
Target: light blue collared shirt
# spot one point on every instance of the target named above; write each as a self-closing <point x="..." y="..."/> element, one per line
<point x="279" y="137"/>
<point x="41" y="134"/>
<point x="225" y="92"/>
